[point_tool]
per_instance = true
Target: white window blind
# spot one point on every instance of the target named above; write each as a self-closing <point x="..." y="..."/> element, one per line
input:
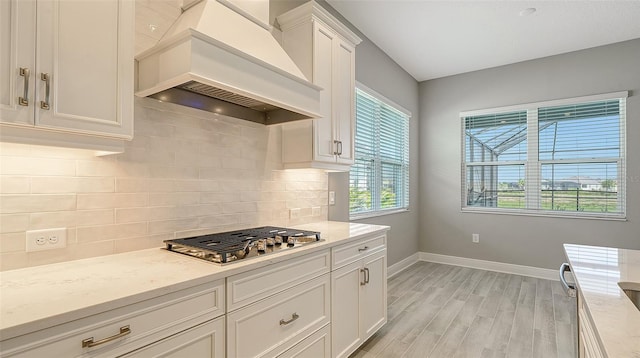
<point x="563" y="158"/>
<point x="379" y="177"/>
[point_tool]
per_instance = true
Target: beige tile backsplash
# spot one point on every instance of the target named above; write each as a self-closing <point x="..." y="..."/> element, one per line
<point x="186" y="173"/>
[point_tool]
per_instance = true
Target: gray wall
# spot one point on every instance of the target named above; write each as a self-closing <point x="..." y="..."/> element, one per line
<point x="524" y="240"/>
<point x="379" y="72"/>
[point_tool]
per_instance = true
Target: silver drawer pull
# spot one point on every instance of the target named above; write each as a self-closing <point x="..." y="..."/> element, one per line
<point x="47" y="89"/>
<point x="339" y="147"/>
<point x="366" y="275"/>
<point x="364" y="278"/>
<point x="294" y="317"/>
<point x="364" y="249"/>
<point x="90" y="343"/>
<point x="24" y="101"/>
<point x="336" y="151"/>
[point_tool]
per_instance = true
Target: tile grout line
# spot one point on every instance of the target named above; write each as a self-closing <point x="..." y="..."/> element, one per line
<point x="533" y="328"/>
<point x="515" y="311"/>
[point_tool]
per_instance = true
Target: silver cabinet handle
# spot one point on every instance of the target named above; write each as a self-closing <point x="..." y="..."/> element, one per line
<point x="47" y="81"/>
<point x="335" y="151"/>
<point x="339" y="147"/>
<point x="88" y="343"/>
<point x="571" y="289"/>
<point x="294" y="317"/>
<point x="364" y="278"/>
<point x="24" y="101"/>
<point x="364" y="249"/>
<point x="366" y="275"/>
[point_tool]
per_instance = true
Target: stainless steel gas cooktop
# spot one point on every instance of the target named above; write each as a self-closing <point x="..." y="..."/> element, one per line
<point x="231" y="246"/>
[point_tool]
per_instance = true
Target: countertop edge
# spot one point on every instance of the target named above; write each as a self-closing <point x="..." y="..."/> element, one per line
<point x="611" y="343"/>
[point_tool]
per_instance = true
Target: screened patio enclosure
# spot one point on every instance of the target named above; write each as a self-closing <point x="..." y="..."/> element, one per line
<point x="496" y="150"/>
<point x="560" y="158"/>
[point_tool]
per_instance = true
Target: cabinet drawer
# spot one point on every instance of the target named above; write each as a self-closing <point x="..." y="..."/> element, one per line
<point x="203" y="341"/>
<point x="249" y="287"/>
<point x="317" y="345"/>
<point x="148" y="321"/>
<point x="271" y="326"/>
<point x="348" y="253"/>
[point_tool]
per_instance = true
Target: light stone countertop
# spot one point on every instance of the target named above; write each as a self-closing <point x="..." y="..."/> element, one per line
<point x="40" y="297"/>
<point x="597" y="271"/>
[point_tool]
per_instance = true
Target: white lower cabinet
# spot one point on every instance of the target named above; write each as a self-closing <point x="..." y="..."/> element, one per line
<point x="203" y="341"/>
<point x="271" y="326"/>
<point x="298" y="307"/>
<point x="358" y="300"/>
<point x="345" y="312"/>
<point x="373" y="302"/>
<point x="588" y="343"/>
<point x="319" y="305"/>
<point x="317" y="345"/>
<point x="185" y="320"/>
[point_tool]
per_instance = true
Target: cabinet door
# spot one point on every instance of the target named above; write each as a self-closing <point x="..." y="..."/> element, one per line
<point x="323" y="58"/>
<point x="373" y="304"/>
<point x="588" y="343"/>
<point x="203" y="341"/>
<point x="17" y="50"/>
<point x="344" y="100"/>
<point x="85" y="48"/>
<point x="345" y="315"/>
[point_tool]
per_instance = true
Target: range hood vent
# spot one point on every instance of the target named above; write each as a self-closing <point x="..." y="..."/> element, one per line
<point x="216" y="59"/>
<point x="226" y="96"/>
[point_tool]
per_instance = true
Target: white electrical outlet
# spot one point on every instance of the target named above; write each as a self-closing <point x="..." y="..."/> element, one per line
<point x="294" y="213"/>
<point x="475" y="238"/>
<point x="47" y="239"/>
<point x="332" y="198"/>
<point x="316" y="211"/>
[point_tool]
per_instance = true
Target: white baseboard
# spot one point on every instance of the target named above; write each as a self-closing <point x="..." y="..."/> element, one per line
<point x="402" y="265"/>
<point x="531" y="271"/>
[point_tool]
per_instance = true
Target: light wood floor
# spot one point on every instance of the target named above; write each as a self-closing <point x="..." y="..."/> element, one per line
<point x="437" y="310"/>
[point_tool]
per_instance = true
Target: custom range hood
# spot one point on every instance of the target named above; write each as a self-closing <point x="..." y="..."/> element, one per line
<point x="219" y="58"/>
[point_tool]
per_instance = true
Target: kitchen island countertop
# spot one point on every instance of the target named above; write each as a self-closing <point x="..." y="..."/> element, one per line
<point x="40" y="297"/>
<point x="597" y="271"/>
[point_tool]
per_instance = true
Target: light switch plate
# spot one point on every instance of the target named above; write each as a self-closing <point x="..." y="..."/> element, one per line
<point x="332" y="198"/>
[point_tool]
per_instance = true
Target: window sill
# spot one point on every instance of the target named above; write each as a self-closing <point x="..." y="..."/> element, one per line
<point x="372" y="214"/>
<point x="559" y="215"/>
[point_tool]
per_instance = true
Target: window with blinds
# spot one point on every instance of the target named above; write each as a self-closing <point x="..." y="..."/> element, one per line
<point x="379" y="177"/>
<point x="564" y="158"/>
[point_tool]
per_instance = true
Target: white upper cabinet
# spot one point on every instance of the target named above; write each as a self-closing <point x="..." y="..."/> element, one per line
<point x="324" y="49"/>
<point x="17" y="61"/>
<point x="69" y="66"/>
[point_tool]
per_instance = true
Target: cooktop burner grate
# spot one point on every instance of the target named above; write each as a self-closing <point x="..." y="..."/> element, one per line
<point x="234" y="245"/>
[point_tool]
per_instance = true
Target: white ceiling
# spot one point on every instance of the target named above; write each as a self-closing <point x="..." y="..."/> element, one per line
<point x="432" y="39"/>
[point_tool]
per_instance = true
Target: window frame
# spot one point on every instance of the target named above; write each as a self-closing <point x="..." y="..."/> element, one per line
<point x="375" y="195"/>
<point x="533" y="165"/>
